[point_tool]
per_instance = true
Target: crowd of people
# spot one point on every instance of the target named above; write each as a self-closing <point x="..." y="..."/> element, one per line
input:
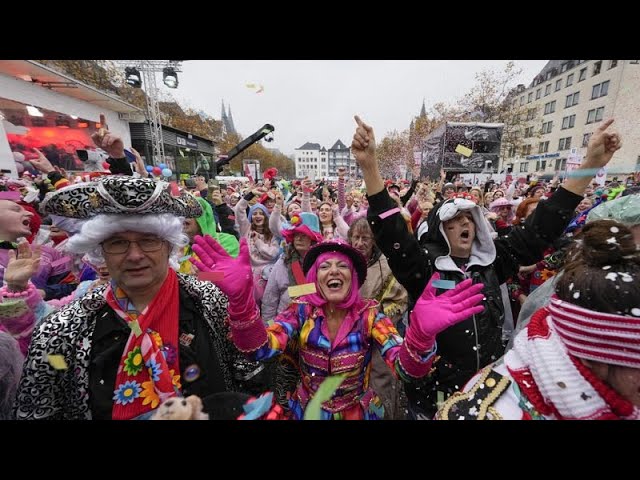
<point x="430" y="299"/>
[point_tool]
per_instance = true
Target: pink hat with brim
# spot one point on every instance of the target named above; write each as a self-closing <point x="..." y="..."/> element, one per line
<point x="305" y="223"/>
<point x="289" y="233"/>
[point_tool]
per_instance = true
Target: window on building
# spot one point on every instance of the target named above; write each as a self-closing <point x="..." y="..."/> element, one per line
<point x="600" y="90"/>
<point x="524" y="166"/>
<point x="561" y="164"/>
<point x="558" y="84"/>
<point x="568" y="122"/>
<point x="546" y="127"/>
<point x="512" y="151"/>
<point x="538" y="93"/>
<point x="613" y="64"/>
<point x="585" y="139"/>
<point x="543" y="147"/>
<point x="531" y="113"/>
<point x="530" y="97"/>
<point x="550" y="107"/>
<point x="635" y="62"/>
<point x="526" y="150"/>
<point x="522" y="100"/>
<point x="547" y="90"/>
<point x="541" y="165"/>
<point x="570" y="80"/>
<point x="595" y="115"/>
<point x="564" y="143"/>
<point x="596" y="68"/>
<point x="572" y="100"/>
<point x="563" y="67"/>
<point x="583" y="74"/>
<point x="528" y="132"/>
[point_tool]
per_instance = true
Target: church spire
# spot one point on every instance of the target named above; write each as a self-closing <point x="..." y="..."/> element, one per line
<point x="423" y="111"/>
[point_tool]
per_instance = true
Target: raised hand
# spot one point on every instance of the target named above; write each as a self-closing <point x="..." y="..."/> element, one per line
<point x="433" y="314"/>
<point x="237" y="283"/>
<point x="110" y="143"/>
<point x="602" y="146"/>
<point x="363" y="145"/>
<point x="42" y="163"/>
<point x="23" y="264"/>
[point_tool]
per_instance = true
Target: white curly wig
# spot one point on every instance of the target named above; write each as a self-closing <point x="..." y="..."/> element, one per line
<point x="101" y="227"/>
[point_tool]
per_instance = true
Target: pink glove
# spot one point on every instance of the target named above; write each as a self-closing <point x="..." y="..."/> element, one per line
<point x="433" y="314"/>
<point x="237" y="283"/>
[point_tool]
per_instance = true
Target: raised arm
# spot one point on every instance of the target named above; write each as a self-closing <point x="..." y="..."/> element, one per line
<point x="407" y="260"/>
<point x="241" y="215"/>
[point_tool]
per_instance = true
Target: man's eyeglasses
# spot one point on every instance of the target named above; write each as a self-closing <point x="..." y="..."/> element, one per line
<point x="119" y="245"/>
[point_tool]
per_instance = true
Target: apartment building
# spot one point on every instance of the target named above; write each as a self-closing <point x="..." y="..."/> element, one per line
<point x="340" y="156"/>
<point x="565" y="103"/>
<point x="311" y="161"/>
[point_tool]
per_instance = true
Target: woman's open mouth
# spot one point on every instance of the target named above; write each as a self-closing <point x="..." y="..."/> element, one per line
<point x="334" y="284"/>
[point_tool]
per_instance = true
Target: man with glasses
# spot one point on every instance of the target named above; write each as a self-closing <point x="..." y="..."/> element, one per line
<point x="149" y="335"/>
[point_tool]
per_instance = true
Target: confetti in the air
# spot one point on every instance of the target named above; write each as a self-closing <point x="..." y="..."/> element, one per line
<point x="57" y="362"/>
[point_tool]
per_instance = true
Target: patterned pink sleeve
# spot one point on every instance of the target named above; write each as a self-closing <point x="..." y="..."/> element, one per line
<point x="18" y="314"/>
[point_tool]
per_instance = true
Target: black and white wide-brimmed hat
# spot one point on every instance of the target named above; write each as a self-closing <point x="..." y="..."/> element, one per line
<point x="120" y="195"/>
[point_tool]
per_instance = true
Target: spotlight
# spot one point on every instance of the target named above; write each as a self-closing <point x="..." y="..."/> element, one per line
<point x="133" y="77"/>
<point x="170" y="77"/>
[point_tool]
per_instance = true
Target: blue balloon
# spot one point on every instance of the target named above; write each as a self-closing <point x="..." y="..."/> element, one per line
<point x="163" y="166"/>
<point x="166" y="172"/>
<point x="149" y="168"/>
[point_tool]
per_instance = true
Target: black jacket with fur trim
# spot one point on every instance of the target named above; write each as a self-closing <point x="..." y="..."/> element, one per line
<point x="476" y="342"/>
<point x="45" y="393"/>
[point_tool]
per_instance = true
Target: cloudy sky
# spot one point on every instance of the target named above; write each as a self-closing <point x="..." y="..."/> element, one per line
<point x="315" y="100"/>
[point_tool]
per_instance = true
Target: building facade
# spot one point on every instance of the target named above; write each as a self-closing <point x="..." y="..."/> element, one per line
<point x="311" y="161"/>
<point x="339" y="155"/>
<point x="185" y="154"/>
<point x="41" y="108"/>
<point x="564" y="104"/>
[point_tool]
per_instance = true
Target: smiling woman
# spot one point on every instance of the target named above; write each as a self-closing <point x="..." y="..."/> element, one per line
<point x="334" y="330"/>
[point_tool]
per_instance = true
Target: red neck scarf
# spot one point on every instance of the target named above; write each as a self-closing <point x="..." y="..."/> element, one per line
<point x="147" y="371"/>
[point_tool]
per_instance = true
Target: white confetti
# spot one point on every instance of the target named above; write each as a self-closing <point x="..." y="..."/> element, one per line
<point x="635" y="312"/>
<point x="612" y="240"/>
<point x="611" y="276"/>
<point x="626" y="277"/>
<point x="606" y="267"/>
<point x="571" y="286"/>
<point x="614" y="229"/>
<point x="576" y="295"/>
